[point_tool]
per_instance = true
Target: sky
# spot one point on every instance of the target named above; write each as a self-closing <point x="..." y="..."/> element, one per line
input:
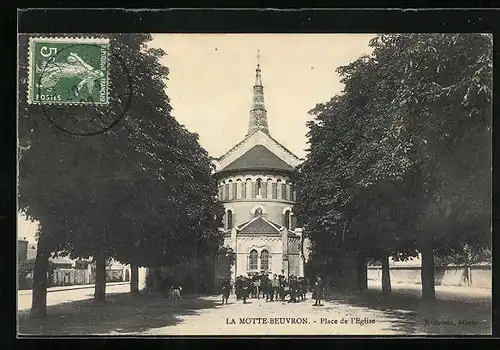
<point x="26" y="229"/>
<point x="211" y="82"/>
<point x="212" y="75"/>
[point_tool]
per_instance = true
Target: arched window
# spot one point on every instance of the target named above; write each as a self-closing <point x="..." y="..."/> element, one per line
<point x="248" y="188"/>
<point x="269" y="187"/>
<point x="239" y="190"/>
<point x="287" y="219"/>
<point x="229" y="219"/>
<point x="264" y="260"/>
<point x="293" y="222"/>
<point x="275" y="190"/>
<point x="252" y="260"/>
<point x="243" y="189"/>
<point x="234" y="190"/>
<point x="259" y="187"/>
<point x="226" y="192"/>
<point x="230" y="189"/>
<point x="221" y="192"/>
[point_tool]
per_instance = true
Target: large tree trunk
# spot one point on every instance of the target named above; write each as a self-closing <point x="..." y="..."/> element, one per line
<point x="100" y="278"/>
<point x="39" y="294"/>
<point x="362" y="272"/>
<point x="427" y="272"/>
<point x="194" y="272"/>
<point x="153" y="279"/>
<point x="386" y="275"/>
<point x="134" y="278"/>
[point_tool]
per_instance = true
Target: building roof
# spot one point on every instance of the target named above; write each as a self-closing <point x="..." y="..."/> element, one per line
<point x="259" y="225"/>
<point x="258" y="158"/>
<point x="246" y="138"/>
<point x="258" y="150"/>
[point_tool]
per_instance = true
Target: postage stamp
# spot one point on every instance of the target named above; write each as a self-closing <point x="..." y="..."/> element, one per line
<point x="68" y="71"/>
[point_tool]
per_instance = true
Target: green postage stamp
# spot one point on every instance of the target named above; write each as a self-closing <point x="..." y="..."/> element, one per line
<point x="67" y="70"/>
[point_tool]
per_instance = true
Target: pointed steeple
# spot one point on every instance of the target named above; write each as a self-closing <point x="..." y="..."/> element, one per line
<point x="258" y="113"/>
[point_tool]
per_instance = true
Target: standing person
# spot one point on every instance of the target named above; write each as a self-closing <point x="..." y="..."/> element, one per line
<point x="251" y="290"/>
<point x="303" y="288"/>
<point x="318" y="291"/>
<point x="299" y="289"/>
<point x="226" y="290"/>
<point x="293" y="289"/>
<point x="237" y="287"/>
<point x="265" y="285"/>
<point x="275" y="284"/>
<point x="267" y="289"/>
<point x="281" y="278"/>
<point x="256" y="284"/>
<point x="283" y="287"/>
<point x="245" y="288"/>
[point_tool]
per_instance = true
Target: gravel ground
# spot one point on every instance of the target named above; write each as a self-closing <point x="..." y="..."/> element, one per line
<point x="259" y="317"/>
<point x="364" y="313"/>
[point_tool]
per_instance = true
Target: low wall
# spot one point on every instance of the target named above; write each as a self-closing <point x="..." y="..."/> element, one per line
<point x="70" y="277"/>
<point x="474" y="276"/>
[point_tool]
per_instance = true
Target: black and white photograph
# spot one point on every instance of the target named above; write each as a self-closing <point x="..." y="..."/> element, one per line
<point x="196" y="184"/>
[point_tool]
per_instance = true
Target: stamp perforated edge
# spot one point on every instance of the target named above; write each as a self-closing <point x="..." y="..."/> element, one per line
<point x="77" y="40"/>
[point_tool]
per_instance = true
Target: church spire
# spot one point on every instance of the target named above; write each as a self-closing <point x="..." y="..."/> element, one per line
<point x="258" y="113"/>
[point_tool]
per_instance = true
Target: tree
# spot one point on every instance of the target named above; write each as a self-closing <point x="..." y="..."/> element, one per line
<point x="124" y="193"/>
<point x="422" y="135"/>
<point x="343" y="185"/>
<point x="444" y="105"/>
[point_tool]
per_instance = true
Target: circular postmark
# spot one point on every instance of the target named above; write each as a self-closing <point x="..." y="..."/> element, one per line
<point x="89" y="111"/>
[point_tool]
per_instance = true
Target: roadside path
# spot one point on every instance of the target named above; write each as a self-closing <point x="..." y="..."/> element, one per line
<point x="58" y="295"/>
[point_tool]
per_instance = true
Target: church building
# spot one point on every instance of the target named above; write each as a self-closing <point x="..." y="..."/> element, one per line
<point x="255" y="185"/>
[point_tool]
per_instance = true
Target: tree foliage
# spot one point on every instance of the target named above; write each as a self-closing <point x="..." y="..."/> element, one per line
<point x="141" y="192"/>
<point x="403" y="153"/>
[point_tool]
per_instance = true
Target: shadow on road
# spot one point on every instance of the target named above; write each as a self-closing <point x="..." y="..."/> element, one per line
<point x="123" y="313"/>
<point x="408" y="314"/>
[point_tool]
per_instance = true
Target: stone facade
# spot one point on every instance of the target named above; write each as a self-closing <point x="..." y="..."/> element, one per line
<point x="272" y="251"/>
<point x="255" y="187"/>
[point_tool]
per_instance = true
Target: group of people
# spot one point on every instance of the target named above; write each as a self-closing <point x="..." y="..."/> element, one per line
<point x="272" y="288"/>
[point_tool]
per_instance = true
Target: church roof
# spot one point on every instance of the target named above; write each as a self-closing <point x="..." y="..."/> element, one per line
<point x="259" y="225"/>
<point x="258" y="150"/>
<point x="258" y="158"/>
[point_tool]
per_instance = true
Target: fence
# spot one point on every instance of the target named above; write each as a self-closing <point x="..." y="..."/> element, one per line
<point x="68" y="277"/>
<point x="462" y="276"/>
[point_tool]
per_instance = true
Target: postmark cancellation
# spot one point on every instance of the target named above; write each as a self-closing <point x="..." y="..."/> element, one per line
<point x="68" y="71"/>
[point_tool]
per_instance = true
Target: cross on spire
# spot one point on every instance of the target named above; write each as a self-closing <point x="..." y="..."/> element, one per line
<point x="258" y="78"/>
<point x="258" y="113"/>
